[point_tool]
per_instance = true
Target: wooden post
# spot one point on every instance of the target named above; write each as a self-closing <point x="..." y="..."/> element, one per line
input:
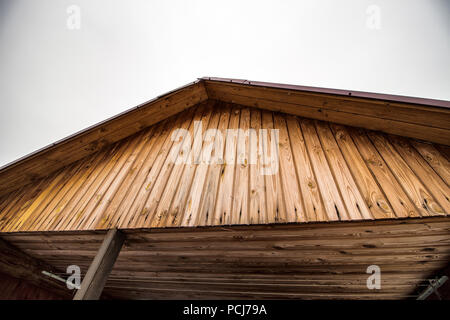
<point x="101" y="266"/>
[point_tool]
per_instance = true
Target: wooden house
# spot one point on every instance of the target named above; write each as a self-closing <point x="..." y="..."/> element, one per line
<point x="234" y="189"/>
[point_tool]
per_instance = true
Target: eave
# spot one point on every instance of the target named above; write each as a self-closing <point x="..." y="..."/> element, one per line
<point x="279" y="261"/>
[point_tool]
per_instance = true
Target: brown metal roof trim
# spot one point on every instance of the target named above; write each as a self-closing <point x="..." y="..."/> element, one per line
<point x="339" y="92"/>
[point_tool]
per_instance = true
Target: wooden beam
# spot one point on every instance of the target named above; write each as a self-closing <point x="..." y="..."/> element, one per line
<point x="101" y="266"/>
<point x="16" y="263"/>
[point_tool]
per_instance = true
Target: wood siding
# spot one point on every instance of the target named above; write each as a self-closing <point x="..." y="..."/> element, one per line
<point x="327" y="172"/>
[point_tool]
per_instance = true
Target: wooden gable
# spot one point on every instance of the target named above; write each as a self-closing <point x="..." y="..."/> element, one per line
<point x="324" y="172"/>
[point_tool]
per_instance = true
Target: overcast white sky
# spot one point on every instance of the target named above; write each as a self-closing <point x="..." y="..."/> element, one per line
<point x="55" y="80"/>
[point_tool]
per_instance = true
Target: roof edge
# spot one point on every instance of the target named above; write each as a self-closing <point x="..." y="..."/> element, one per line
<point x="340" y="92"/>
<point x="349" y="93"/>
<point x="21" y="170"/>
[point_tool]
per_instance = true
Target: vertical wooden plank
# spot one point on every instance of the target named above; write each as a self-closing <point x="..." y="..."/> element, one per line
<point x="71" y="207"/>
<point x="14" y="200"/>
<point x="314" y="209"/>
<point x="103" y="183"/>
<point x="111" y="213"/>
<point x="225" y="192"/>
<point x="289" y="179"/>
<point x="436" y="160"/>
<point x="209" y="197"/>
<point x="133" y="150"/>
<point x="401" y="204"/>
<point x="137" y="213"/>
<point x="438" y="189"/>
<point x="135" y="194"/>
<point x="28" y="198"/>
<point x="98" y="272"/>
<point x="354" y="202"/>
<point x="203" y="114"/>
<point x="416" y="191"/>
<point x="176" y="207"/>
<point x="192" y="214"/>
<point x="43" y="218"/>
<point x="8" y="200"/>
<point x="276" y="209"/>
<point x="75" y="208"/>
<point x="25" y="198"/>
<point x="188" y="158"/>
<point x="40" y="202"/>
<point x="373" y="195"/>
<point x="239" y="210"/>
<point x="332" y="199"/>
<point x="90" y="195"/>
<point x="257" y="206"/>
<point x="87" y="166"/>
